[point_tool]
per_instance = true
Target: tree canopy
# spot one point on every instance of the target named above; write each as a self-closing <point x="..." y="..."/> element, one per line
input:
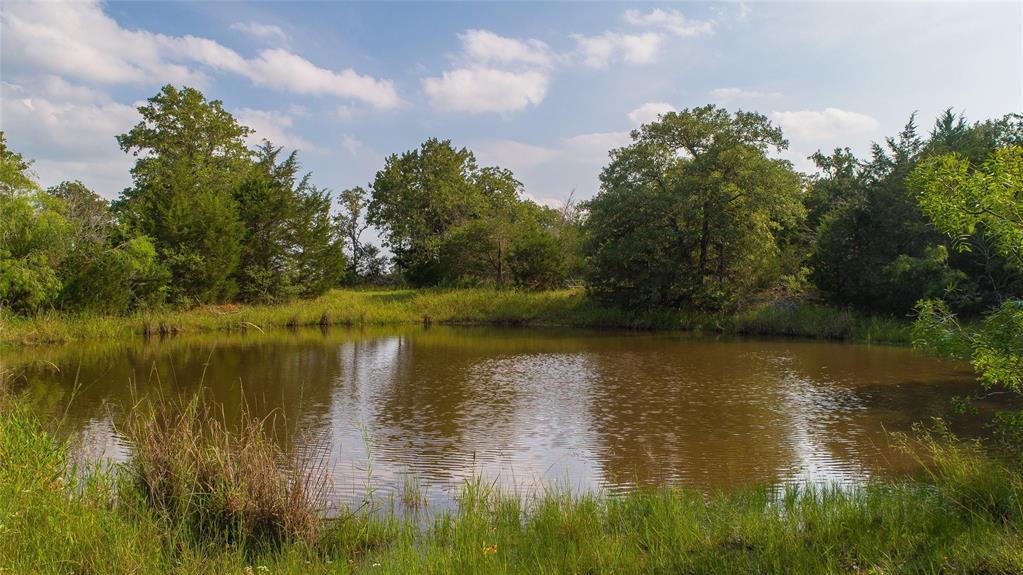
<point x="691" y="212"/>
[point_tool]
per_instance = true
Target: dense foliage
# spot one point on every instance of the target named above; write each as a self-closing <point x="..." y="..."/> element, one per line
<point x="966" y="200"/>
<point x="872" y="245"/>
<point x="693" y="212"/>
<point x="206" y="220"/>
<point x="63" y="247"/>
<point x="450" y="222"/>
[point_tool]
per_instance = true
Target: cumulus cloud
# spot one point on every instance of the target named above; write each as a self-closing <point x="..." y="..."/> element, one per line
<point x="263" y="32"/>
<point x="283" y="70"/>
<point x="78" y="40"/>
<point x="824" y="124"/>
<point x="276" y="126"/>
<point x="486" y="47"/>
<point x="493" y="73"/>
<point x="671" y="21"/>
<point x="68" y="129"/>
<point x="480" y="89"/>
<point x="600" y="50"/>
<point x="649" y="112"/>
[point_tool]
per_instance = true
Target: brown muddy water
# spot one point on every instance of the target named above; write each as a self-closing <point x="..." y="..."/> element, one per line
<point x="522" y="408"/>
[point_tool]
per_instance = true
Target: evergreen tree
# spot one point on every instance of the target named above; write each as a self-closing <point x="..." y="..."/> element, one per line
<point x="190" y="158"/>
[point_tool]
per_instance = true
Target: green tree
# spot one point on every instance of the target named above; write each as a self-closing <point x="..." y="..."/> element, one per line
<point x="690" y="212"/>
<point x="318" y="259"/>
<point x="33" y="236"/>
<point x="445" y="219"/>
<point x="190" y="158"/>
<point x="964" y="199"/>
<point x="873" y="246"/>
<point x="267" y="205"/>
<point x="417" y="197"/>
<point x="107" y="268"/>
<point x="351" y="224"/>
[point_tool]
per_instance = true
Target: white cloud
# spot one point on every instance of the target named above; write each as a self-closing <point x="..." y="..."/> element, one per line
<point x="70" y="131"/>
<point x="599" y="51"/>
<point x="493" y="73"/>
<point x="649" y="112"/>
<point x="264" y="32"/>
<point x="479" y="89"/>
<point x="274" y="126"/>
<point x="78" y="40"/>
<point x="281" y="69"/>
<point x="556" y="203"/>
<point x="594" y="147"/>
<point x="822" y="125"/>
<point x="672" y="21"/>
<point x="513" y="155"/>
<point x="41" y="124"/>
<point x="725" y="95"/>
<point x="486" y="47"/>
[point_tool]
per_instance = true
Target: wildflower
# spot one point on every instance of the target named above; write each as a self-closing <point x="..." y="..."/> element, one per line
<point x="490" y="549"/>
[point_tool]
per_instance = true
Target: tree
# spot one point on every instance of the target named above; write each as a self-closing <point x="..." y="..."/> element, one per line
<point x="190" y="158"/>
<point x="318" y="253"/>
<point x="964" y="199"/>
<point x="689" y="213"/>
<point x="373" y="266"/>
<point x="351" y="223"/>
<point x="448" y="221"/>
<point x="875" y="249"/>
<point x="107" y="268"/>
<point x="267" y="205"/>
<point x="33" y="236"/>
<point x="417" y="197"/>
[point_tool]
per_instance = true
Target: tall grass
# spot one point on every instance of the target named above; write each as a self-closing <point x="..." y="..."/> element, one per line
<point x="217" y="485"/>
<point x="459" y="306"/>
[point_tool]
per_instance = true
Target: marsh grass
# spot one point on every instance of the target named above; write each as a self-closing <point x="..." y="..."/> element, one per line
<point x="567" y="307"/>
<point x="234" y="486"/>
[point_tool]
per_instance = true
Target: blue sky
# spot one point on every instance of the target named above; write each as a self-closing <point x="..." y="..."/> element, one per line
<point x="542" y="88"/>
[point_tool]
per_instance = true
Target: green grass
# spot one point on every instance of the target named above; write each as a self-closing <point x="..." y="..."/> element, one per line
<point x="461" y="306"/>
<point x="964" y="516"/>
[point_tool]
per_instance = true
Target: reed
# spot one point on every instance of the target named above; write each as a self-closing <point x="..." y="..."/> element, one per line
<point x="231" y="486"/>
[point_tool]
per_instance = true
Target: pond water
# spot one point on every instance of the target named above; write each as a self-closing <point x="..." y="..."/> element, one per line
<point x="584" y="409"/>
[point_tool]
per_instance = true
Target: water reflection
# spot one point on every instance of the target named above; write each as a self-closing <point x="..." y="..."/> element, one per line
<point x="588" y="409"/>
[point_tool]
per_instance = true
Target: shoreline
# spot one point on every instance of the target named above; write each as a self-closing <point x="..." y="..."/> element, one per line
<point x="457" y="307"/>
<point x="961" y="515"/>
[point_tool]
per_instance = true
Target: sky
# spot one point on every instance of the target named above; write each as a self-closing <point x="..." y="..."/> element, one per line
<point x="544" y="89"/>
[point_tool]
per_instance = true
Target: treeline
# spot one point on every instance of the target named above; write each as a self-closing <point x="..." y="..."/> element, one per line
<point x="697" y="212"/>
<point x="208" y="219"/>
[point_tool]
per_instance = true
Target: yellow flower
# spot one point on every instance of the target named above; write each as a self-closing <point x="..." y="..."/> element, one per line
<point x="489" y="549"/>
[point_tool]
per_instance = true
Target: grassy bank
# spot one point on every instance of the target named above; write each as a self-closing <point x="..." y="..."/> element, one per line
<point x="198" y="499"/>
<point x="463" y="306"/>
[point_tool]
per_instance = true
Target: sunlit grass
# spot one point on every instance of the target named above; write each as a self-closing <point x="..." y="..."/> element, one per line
<point x="462" y="306"/>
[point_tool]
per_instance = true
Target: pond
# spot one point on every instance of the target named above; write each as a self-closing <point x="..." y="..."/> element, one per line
<point x="604" y="410"/>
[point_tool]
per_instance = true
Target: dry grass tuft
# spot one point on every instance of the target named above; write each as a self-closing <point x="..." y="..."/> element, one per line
<point x="229" y="486"/>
